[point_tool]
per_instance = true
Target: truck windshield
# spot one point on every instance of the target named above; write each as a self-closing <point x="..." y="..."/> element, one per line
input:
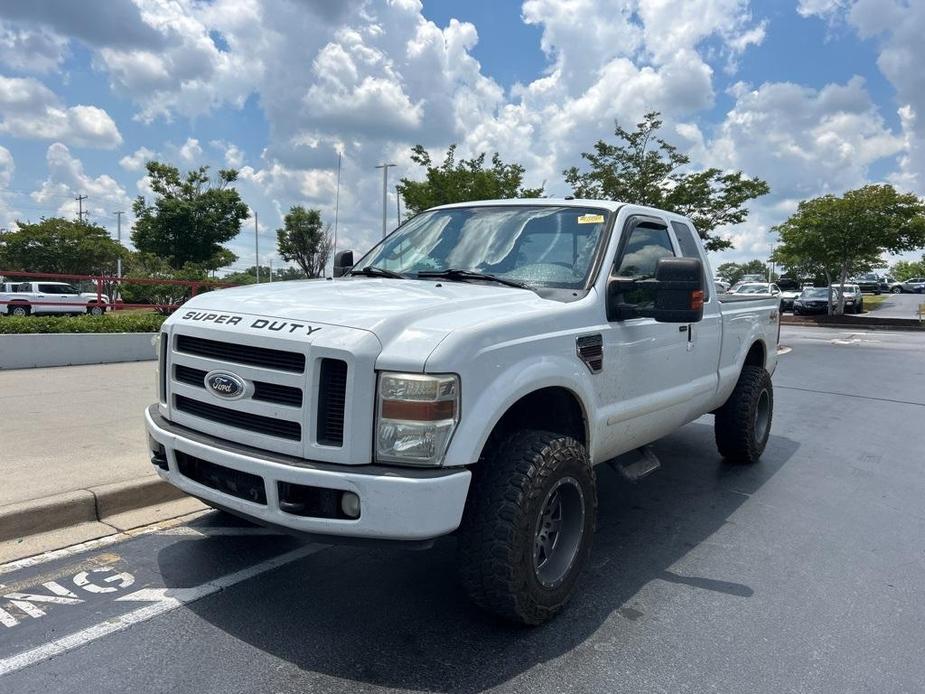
<point x="538" y="246"/>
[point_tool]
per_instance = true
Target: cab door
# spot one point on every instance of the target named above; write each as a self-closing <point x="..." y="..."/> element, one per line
<point x="644" y="386"/>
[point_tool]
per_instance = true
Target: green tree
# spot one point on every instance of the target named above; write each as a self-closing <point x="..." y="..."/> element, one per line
<point x="645" y="169"/>
<point x="841" y="236"/>
<point x="59" y="245"/>
<point x="190" y="218"/>
<point x="734" y="272"/>
<point x="305" y="240"/>
<point x="462" y="181"/>
<point x="150" y="267"/>
<point x="903" y="270"/>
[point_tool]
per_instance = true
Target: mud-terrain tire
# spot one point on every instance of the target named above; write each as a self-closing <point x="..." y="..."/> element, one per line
<point x="743" y="424"/>
<point x="528" y="526"/>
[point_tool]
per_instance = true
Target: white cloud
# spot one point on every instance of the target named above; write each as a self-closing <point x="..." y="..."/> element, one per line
<point x="31" y="50"/>
<point x="233" y="155"/>
<point x="29" y="109"/>
<point x="136" y="160"/>
<point x="190" y="152"/>
<point x="67" y="179"/>
<point x="898" y="27"/>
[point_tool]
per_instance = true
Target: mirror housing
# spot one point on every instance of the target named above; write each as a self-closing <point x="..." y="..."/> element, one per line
<point x="343" y="261"/>
<point x="678" y="293"/>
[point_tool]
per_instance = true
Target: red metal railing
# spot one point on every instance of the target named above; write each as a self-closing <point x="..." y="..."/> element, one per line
<point x="101" y="281"/>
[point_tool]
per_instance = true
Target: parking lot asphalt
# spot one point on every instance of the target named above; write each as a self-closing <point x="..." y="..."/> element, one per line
<point x="72" y="427"/>
<point x="802" y="573"/>
<point x="898" y="306"/>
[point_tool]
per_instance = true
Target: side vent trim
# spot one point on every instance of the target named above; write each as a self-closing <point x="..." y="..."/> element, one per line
<point x="590" y="349"/>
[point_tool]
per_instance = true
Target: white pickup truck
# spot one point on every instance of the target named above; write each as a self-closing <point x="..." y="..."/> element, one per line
<point x="466" y="375"/>
<point x="25" y="298"/>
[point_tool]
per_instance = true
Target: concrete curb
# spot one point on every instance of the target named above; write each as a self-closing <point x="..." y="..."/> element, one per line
<point x="32" y="350"/>
<point x="854" y="322"/>
<point x="83" y="506"/>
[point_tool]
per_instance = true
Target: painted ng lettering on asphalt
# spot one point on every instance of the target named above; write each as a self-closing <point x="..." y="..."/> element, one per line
<point x="20" y="605"/>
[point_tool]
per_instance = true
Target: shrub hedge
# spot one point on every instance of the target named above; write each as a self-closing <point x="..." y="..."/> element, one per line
<point x="110" y="323"/>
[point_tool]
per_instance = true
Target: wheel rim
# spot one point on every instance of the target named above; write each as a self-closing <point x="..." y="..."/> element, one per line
<point x="558" y="532"/>
<point x="19" y="311"/>
<point x="762" y="415"/>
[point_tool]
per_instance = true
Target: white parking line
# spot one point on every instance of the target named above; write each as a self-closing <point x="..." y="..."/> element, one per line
<point x="162" y="600"/>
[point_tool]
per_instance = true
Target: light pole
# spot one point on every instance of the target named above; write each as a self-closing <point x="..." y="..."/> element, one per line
<point x="385" y="194"/>
<point x="119" y="214"/>
<point x="257" y="247"/>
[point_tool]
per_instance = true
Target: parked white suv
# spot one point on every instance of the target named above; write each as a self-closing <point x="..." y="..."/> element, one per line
<point x="466" y="375"/>
<point x="25" y="298"/>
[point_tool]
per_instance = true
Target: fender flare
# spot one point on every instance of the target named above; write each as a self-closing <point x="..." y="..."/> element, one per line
<point x="518" y="380"/>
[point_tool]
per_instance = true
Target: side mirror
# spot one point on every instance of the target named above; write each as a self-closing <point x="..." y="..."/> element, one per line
<point x="343" y="261"/>
<point x="678" y="290"/>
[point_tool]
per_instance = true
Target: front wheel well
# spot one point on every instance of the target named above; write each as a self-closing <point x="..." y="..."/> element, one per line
<point x="554" y="409"/>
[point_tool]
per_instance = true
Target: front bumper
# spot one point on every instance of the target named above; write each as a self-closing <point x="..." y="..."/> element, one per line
<point x="395" y="503"/>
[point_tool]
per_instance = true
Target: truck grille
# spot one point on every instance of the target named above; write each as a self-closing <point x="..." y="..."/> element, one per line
<point x="267" y="392"/>
<point x="292" y="401"/>
<point x="242" y="354"/>
<point x="239" y="420"/>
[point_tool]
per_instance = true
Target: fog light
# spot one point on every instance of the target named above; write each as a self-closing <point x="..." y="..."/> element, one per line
<point x="350" y="505"/>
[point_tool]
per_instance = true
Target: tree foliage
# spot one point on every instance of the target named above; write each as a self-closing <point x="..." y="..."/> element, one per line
<point x="59" y="245"/>
<point x="645" y="169"/>
<point x="191" y="217"/>
<point x="249" y="276"/>
<point x="903" y="270"/>
<point x="305" y="240"/>
<point x="462" y="181"/>
<point x="734" y="272"/>
<point x="842" y="236"/>
<point x="149" y="266"/>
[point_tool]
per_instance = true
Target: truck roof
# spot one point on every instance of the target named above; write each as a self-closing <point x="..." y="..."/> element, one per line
<point x="611" y="205"/>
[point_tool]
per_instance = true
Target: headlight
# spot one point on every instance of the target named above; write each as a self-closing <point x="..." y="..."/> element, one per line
<point x="416" y="416"/>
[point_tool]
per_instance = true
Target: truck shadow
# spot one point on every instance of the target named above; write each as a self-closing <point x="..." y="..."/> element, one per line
<point x="395" y="618"/>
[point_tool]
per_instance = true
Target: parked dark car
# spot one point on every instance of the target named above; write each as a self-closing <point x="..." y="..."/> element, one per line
<point x="870" y="282"/>
<point x="812" y="300"/>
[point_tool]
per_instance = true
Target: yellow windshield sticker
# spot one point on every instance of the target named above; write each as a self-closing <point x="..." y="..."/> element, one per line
<point x="591" y="219"/>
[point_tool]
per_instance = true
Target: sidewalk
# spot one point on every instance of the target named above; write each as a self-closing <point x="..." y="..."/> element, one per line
<point x="73" y="455"/>
<point x="73" y="427"/>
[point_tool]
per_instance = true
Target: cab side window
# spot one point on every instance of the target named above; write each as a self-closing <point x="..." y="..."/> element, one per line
<point x="689" y="242"/>
<point x="646" y="244"/>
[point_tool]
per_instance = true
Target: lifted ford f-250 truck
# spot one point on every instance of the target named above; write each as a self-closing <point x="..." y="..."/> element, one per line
<point x="467" y="375"/>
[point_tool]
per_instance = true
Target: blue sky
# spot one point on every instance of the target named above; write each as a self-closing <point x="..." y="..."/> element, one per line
<point x="815" y="96"/>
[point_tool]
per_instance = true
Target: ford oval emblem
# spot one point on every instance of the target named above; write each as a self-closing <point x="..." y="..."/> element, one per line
<point x="225" y="385"/>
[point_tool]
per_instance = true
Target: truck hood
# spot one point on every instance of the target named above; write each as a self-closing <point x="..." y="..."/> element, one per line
<point x="409" y="317"/>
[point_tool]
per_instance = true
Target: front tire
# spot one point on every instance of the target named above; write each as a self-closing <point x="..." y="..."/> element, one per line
<point x="743" y="424"/>
<point x="96" y="310"/>
<point x="528" y="526"/>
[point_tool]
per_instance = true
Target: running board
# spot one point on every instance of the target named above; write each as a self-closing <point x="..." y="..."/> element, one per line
<point x="636" y="464"/>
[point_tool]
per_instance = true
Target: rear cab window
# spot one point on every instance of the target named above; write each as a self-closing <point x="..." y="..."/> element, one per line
<point x="690" y="245"/>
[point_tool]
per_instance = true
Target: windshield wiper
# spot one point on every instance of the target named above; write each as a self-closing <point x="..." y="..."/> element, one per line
<point x="458" y="275"/>
<point x="373" y="271"/>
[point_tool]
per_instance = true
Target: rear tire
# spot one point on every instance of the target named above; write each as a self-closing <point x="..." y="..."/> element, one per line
<point x="743" y="424"/>
<point x="16" y="310"/>
<point x="528" y="526"/>
<point x="896" y="290"/>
